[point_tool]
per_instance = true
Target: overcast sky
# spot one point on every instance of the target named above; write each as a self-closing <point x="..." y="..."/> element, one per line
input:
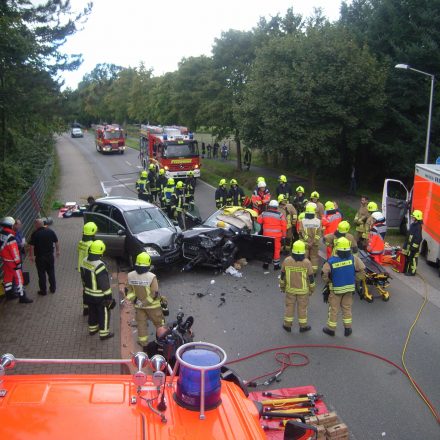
<point x="161" y="32"/>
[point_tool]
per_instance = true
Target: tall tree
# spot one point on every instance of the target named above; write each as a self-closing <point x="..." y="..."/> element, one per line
<point x="401" y="32"/>
<point x="324" y="100"/>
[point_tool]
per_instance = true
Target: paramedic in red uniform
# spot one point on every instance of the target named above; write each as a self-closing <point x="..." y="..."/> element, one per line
<point x="274" y="225"/>
<point x="10" y="255"/>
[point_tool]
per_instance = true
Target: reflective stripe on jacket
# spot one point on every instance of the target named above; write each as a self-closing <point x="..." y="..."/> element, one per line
<point x="83" y="251"/>
<point x="297" y="276"/>
<point x="95" y="278"/>
<point x="343" y="275"/>
<point x="143" y="290"/>
<point x="273" y="224"/>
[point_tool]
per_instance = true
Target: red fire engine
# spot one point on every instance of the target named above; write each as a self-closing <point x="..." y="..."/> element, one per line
<point x="109" y="138"/>
<point x="172" y="148"/>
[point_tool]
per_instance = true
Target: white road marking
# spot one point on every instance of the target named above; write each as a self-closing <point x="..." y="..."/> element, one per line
<point x="207" y="184"/>
<point x="128" y="163"/>
<point x="103" y="189"/>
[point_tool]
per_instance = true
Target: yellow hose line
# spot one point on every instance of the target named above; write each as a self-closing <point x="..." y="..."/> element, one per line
<point x="408" y="337"/>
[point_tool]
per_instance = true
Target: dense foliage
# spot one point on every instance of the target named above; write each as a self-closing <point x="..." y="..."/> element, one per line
<point x="319" y="96"/>
<point x="31" y="104"/>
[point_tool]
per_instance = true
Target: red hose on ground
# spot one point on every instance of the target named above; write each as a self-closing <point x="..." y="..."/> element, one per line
<point x="286" y="362"/>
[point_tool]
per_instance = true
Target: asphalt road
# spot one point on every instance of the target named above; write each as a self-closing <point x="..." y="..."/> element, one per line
<point x="372" y="397"/>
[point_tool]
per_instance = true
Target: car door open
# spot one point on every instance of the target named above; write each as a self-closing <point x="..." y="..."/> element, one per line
<point x="110" y="232"/>
<point x="395" y="200"/>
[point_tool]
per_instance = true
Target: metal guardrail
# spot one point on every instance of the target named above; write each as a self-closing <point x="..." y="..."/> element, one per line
<point x="30" y="205"/>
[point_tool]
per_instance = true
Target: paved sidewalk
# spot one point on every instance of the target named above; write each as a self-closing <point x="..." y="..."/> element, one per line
<point x="53" y="326"/>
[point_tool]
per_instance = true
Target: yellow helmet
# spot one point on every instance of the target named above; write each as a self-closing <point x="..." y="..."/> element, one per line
<point x="143" y="259"/>
<point x="311" y="208"/>
<point x="90" y="229"/>
<point x="261" y="179"/>
<point x="179" y="184"/>
<point x="343" y="227"/>
<point x="329" y="205"/>
<point x="144" y="173"/>
<point x="417" y="214"/>
<point x="233" y="182"/>
<point x="314" y="195"/>
<point x="343" y="244"/>
<point x="170" y="181"/>
<point x="300" y="189"/>
<point x="281" y="198"/>
<point x="152" y="166"/>
<point x="97" y="247"/>
<point x="222" y="182"/>
<point x="221" y="224"/>
<point x="372" y="206"/>
<point x="190" y="173"/>
<point x="161" y="171"/>
<point x="299" y="247"/>
<point x="301" y="215"/>
<point x="282" y="178"/>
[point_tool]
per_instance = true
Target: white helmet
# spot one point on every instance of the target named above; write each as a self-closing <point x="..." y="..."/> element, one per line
<point x="273" y="204"/>
<point x="7" y="221"/>
<point x="378" y="216"/>
<point x="261" y="184"/>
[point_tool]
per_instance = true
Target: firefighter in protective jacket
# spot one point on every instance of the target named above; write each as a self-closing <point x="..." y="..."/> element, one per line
<point x="340" y="274"/>
<point x="310" y="232"/>
<point x="343" y="231"/>
<point x="298" y="282"/>
<point x="221" y="194"/>
<point x="411" y="248"/>
<point x="143" y="290"/>
<point x="89" y="231"/>
<point x="291" y="218"/>
<point x="97" y="290"/>
<point x="143" y="186"/>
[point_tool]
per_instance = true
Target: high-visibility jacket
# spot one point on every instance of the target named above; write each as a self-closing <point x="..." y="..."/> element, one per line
<point x="190" y="187"/>
<point x="221" y="197"/>
<point x="361" y="217"/>
<point x="178" y="201"/>
<point x="289" y="213"/>
<point x="96" y="280"/>
<point x="235" y="196"/>
<point x="330" y="241"/>
<point x="168" y="193"/>
<point x="83" y="250"/>
<point x="376" y="241"/>
<point x="273" y="224"/>
<point x="9" y="251"/>
<point x="161" y="182"/>
<point x="297" y="276"/>
<point x="341" y="273"/>
<point x="330" y="221"/>
<point x="310" y="231"/>
<point x="414" y="238"/>
<point x="260" y="200"/>
<point x="143" y="290"/>
<point x="143" y="186"/>
<point x="152" y="180"/>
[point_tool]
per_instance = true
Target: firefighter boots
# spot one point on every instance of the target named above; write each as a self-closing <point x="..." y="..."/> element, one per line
<point x="329" y="332"/>
<point x="347" y="331"/>
<point x="305" y="329"/>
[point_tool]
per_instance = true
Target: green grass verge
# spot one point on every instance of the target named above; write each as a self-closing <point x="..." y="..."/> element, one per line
<point x="132" y="143"/>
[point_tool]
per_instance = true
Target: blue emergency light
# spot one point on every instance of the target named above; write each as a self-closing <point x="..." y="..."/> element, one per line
<point x="191" y="136"/>
<point x="165" y="136"/>
<point x="189" y="386"/>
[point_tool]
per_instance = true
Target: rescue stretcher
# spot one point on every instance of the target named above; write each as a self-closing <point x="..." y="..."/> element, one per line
<point x="376" y="276"/>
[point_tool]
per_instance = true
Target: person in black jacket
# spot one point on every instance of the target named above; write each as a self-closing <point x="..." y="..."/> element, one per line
<point x="221" y="194"/>
<point x="235" y="194"/>
<point x="411" y="248"/>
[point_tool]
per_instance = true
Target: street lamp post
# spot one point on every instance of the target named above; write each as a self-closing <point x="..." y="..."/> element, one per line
<point x="428" y="131"/>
